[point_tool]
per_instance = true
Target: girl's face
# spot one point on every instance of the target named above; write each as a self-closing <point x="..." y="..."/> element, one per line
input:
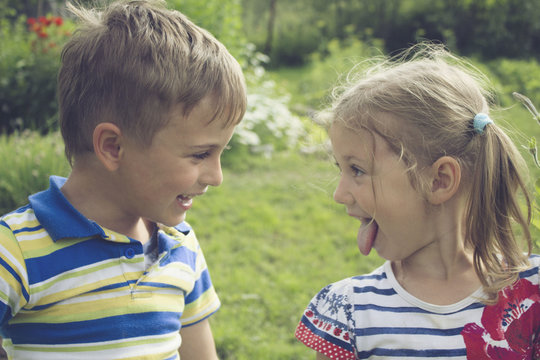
<point x="375" y="188"/>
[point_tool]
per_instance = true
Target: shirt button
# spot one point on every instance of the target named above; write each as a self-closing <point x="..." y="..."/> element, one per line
<point x="130" y="253"/>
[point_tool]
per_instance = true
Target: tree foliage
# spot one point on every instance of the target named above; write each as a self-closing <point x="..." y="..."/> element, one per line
<point x="487" y="28"/>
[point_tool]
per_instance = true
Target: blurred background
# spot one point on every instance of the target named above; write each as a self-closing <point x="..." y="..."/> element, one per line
<point x="278" y="34"/>
<point x="272" y="234"/>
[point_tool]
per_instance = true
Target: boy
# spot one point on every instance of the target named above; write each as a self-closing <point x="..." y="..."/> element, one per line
<point x="102" y="265"/>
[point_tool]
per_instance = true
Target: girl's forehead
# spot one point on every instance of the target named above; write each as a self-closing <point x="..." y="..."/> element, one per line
<point x="341" y="133"/>
<point x="361" y="143"/>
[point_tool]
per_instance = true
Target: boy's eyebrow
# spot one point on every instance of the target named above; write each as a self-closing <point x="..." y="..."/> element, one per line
<point x="204" y="146"/>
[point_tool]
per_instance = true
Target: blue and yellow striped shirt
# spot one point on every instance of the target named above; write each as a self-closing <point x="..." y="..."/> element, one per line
<point x="71" y="289"/>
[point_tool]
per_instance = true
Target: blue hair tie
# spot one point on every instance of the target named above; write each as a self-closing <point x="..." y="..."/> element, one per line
<point x="480" y="121"/>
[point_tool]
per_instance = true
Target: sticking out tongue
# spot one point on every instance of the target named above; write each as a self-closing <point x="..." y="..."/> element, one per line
<point x="366" y="236"/>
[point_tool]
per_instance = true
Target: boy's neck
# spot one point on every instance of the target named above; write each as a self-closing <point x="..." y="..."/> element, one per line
<point x="90" y="193"/>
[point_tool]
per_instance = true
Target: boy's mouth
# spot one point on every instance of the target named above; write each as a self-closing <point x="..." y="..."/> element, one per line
<point x="185" y="200"/>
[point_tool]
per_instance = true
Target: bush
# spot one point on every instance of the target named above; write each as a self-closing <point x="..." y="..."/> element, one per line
<point x="522" y="76"/>
<point x="29" y="63"/>
<point x="27" y="161"/>
<point x="223" y="18"/>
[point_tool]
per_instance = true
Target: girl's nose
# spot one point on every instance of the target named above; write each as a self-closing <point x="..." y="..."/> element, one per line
<point x="341" y="195"/>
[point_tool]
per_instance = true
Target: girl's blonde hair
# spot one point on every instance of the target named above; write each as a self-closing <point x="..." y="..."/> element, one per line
<point x="433" y="97"/>
<point x="130" y="63"/>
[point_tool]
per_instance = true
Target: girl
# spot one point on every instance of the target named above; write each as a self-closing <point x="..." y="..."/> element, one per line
<point x="435" y="183"/>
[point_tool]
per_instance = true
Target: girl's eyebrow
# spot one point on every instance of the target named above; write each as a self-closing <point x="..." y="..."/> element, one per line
<point x="354" y="158"/>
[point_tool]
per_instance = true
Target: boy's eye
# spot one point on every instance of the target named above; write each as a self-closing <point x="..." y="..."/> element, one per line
<point x="202" y="156"/>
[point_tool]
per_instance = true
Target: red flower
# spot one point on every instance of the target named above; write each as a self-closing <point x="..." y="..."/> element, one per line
<point x="44" y="20"/>
<point x="510" y="329"/>
<point x="58" y="21"/>
<point x="42" y="34"/>
<point x="36" y="27"/>
<point x="31" y="21"/>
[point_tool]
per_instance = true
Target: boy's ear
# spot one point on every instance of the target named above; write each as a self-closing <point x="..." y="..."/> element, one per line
<point x="107" y="139"/>
<point x="445" y="180"/>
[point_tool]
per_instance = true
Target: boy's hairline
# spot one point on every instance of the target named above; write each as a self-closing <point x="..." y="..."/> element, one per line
<point x="228" y="121"/>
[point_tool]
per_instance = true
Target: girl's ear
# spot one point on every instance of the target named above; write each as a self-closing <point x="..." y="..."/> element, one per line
<point x="107" y="139"/>
<point x="445" y="179"/>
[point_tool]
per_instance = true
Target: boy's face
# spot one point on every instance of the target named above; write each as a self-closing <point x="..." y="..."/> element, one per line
<point x="161" y="181"/>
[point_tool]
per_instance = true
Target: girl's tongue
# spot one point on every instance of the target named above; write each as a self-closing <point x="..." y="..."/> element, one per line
<point x="366" y="236"/>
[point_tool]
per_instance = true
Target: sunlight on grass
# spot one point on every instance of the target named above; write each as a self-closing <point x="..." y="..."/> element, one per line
<point x="273" y="237"/>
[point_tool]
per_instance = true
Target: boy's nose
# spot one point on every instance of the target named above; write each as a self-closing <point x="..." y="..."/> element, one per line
<point x="212" y="174"/>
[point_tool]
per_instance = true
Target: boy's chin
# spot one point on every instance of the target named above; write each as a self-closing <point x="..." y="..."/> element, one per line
<point x="172" y="221"/>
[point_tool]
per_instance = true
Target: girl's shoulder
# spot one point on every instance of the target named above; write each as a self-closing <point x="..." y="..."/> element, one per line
<point x="533" y="272"/>
<point x="345" y="288"/>
<point x="534" y="259"/>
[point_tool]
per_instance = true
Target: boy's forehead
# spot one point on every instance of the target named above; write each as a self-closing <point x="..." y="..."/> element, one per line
<point x="204" y="113"/>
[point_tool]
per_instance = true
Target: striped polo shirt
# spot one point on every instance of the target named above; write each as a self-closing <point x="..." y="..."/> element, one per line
<point x="373" y="317"/>
<point x="71" y="289"/>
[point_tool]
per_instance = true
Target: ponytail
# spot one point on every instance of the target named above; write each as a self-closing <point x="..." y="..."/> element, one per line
<point x="493" y="208"/>
<point x="439" y="104"/>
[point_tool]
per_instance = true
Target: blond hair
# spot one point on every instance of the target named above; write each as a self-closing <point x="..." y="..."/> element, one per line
<point x="433" y="97"/>
<point x="131" y="62"/>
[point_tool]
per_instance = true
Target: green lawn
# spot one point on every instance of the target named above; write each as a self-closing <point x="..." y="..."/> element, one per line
<point x="273" y="237"/>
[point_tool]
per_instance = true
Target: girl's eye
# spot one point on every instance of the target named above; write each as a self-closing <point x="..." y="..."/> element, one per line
<point x="202" y="156"/>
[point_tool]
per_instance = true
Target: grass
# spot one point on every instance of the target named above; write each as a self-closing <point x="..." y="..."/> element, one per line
<point x="271" y="233"/>
<point x="273" y="237"/>
<point x="27" y="161"/>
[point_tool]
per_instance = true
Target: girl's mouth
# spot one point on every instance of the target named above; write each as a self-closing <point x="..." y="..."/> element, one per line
<point x="366" y="235"/>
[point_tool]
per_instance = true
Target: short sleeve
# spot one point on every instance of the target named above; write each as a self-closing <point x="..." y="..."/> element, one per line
<point x="326" y="325"/>
<point x="13" y="280"/>
<point x="202" y="301"/>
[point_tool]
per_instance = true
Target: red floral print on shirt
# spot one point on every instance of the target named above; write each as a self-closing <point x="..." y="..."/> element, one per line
<point x="510" y="329"/>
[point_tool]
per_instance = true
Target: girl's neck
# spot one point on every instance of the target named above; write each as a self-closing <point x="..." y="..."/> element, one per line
<point x="441" y="282"/>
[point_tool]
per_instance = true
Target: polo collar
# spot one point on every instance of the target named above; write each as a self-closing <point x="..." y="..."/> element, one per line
<point x="59" y="217"/>
<point x="62" y="220"/>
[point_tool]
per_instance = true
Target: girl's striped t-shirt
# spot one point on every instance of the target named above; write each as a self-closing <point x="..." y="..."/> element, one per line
<point x="373" y="317"/>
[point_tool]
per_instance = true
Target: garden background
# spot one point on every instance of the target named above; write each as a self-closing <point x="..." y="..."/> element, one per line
<point x="271" y="233"/>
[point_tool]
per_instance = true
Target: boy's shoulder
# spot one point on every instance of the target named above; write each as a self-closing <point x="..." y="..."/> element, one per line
<point x="21" y="218"/>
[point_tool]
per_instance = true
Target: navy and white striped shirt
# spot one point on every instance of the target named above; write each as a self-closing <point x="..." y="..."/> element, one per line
<point x="373" y="317"/>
